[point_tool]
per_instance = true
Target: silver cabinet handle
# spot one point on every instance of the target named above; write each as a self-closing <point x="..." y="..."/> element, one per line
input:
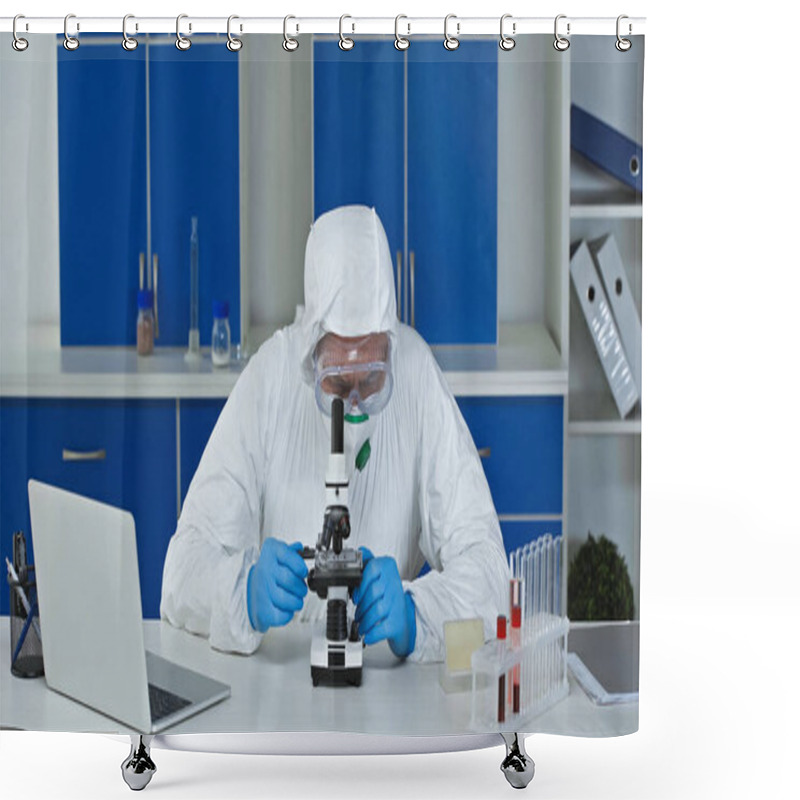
<point x="155" y="294"/>
<point x="411" y="288"/>
<point x="399" y="285"/>
<point x="83" y="455"/>
<point x="485" y="452"/>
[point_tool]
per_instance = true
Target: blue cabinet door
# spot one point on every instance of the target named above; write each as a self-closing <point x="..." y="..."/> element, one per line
<point x="524" y="437"/>
<point x="452" y="190"/>
<point x="198" y="418"/>
<point x="194" y="171"/>
<point x="102" y="191"/>
<point x="358" y="132"/>
<point x="137" y="470"/>
<point x="194" y="135"/>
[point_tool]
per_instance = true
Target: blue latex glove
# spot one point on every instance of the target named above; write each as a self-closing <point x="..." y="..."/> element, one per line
<point x="276" y="585"/>
<point x="383" y="609"/>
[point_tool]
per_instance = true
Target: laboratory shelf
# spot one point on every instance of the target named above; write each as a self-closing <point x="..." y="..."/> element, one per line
<point x="590" y="205"/>
<point x="596" y="413"/>
<point x="526" y="362"/>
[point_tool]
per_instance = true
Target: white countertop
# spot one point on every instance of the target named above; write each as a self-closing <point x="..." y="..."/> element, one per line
<point x="526" y="362"/>
<point x="272" y="691"/>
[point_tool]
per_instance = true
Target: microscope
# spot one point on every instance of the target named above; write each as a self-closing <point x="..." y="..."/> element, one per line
<point x="336" y="647"/>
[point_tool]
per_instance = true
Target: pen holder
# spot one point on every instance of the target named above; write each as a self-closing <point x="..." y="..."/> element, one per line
<point x="26" y="637"/>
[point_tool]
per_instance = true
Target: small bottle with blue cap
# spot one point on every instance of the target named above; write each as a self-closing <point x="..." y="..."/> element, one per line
<point x="145" y="323"/>
<point x="220" y="335"/>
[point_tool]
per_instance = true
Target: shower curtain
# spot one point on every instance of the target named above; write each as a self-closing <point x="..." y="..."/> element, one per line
<point x="155" y="213"/>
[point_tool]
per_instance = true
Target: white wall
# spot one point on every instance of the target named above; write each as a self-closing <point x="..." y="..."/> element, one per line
<point x="29" y="236"/>
<point x="276" y="168"/>
<point x="529" y="192"/>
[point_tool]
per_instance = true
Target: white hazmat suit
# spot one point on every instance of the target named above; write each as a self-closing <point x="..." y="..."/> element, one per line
<point x="422" y="495"/>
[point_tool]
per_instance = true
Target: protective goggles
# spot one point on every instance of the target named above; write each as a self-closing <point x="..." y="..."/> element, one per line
<point x="356" y="370"/>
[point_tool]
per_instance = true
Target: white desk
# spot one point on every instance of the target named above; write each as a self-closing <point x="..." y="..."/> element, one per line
<point x="271" y="691"/>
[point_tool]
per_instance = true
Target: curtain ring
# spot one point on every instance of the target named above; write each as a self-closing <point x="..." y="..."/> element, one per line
<point x="289" y="44"/>
<point x="233" y="44"/>
<point x="345" y="43"/>
<point x="507" y="42"/>
<point x="128" y="42"/>
<point x="561" y="43"/>
<point x="18" y="43"/>
<point x="70" y="42"/>
<point x="400" y="42"/>
<point x="451" y="42"/>
<point x="181" y="42"/>
<point x="623" y="45"/>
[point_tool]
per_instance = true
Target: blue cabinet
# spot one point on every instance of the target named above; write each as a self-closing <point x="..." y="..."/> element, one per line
<point x="452" y="191"/>
<point x="414" y="134"/>
<point x="198" y="418"/>
<point x="524" y="437"/>
<point x="102" y="191"/>
<point x="358" y="132"/>
<point x="103" y="92"/>
<point x="134" y="467"/>
<point x="194" y="135"/>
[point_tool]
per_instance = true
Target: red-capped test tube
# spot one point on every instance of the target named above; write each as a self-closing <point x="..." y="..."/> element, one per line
<point x="501" y="684"/>
<point x="516" y="630"/>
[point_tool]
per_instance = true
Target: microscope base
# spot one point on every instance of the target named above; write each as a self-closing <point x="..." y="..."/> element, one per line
<point x="328" y="676"/>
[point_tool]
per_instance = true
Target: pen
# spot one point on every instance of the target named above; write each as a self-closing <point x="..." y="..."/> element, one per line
<point x="22" y="596"/>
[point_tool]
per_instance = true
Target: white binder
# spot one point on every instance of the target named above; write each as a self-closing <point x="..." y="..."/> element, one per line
<point x="605" y="335"/>
<point x="623" y="306"/>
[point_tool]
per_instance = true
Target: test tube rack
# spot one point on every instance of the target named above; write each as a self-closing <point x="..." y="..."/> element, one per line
<point x="538" y="652"/>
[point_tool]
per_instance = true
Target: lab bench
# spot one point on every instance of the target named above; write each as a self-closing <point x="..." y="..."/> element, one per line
<point x="395" y="698"/>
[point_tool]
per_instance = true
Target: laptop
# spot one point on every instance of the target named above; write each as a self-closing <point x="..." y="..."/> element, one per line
<point x="90" y="613"/>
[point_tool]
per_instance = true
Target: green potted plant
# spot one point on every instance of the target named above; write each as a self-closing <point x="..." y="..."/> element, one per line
<point x="599" y="586"/>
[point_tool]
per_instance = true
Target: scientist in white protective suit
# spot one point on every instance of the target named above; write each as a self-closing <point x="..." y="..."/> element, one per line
<point x="417" y="489"/>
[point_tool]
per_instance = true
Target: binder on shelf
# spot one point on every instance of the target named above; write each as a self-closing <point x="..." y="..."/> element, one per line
<point x="606" y="147"/>
<point x="609" y="263"/>
<point x="605" y="335"/>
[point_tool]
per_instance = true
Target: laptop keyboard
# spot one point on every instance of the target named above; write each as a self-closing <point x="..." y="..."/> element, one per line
<point x="164" y="703"/>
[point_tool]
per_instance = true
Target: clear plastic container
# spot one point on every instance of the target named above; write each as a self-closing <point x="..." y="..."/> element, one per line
<point x="145" y="323"/>
<point x="531" y="665"/>
<point x="221" y="335"/>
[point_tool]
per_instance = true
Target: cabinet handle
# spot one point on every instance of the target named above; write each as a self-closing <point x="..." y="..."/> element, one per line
<point x="83" y="455"/>
<point x="411" y="288"/>
<point x="485" y="452"/>
<point x="399" y="285"/>
<point x="155" y="295"/>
